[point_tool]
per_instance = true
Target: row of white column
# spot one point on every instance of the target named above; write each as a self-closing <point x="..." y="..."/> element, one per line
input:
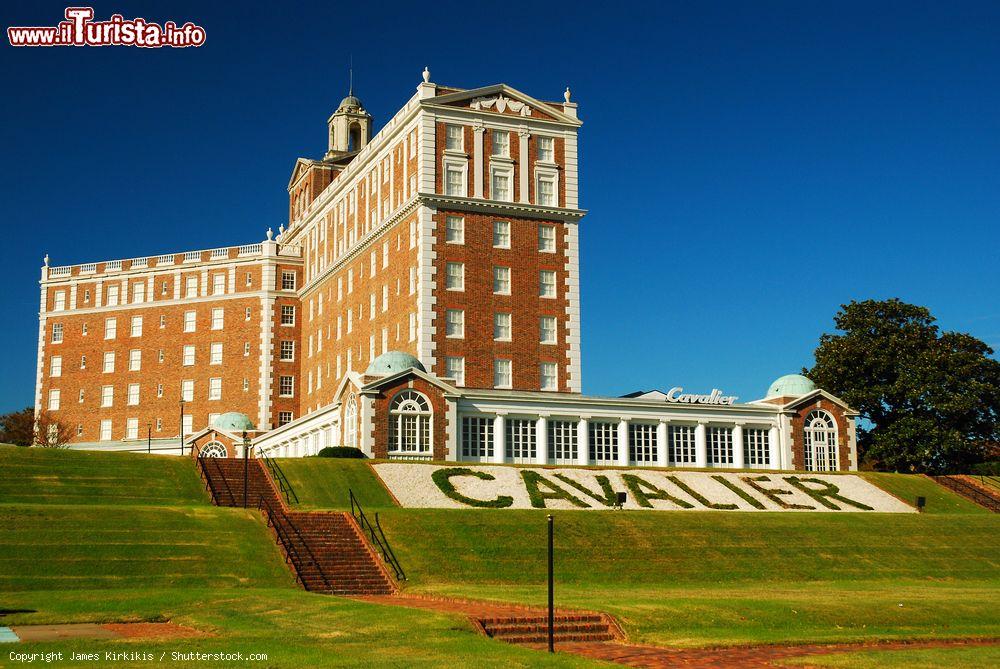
<point x="310" y="443"/>
<point x="583" y="443"/>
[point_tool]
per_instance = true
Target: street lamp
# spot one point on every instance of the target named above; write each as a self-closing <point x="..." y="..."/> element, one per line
<point x="246" y="465"/>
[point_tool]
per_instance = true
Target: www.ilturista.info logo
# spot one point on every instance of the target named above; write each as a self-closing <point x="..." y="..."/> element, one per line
<point x="79" y="29"/>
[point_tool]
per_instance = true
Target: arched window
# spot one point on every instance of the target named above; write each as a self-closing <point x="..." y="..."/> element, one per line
<point x="213" y="450"/>
<point x="351" y="422"/>
<point x="410" y="419"/>
<point x="820" y="442"/>
<point x="354" y="137"/>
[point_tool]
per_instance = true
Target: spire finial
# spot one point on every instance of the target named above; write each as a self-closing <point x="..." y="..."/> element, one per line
<point x="270" y="234"/>
<point x="427" y="75"/>
<point x="350" y="71"/>
<point x="566" y="95"/>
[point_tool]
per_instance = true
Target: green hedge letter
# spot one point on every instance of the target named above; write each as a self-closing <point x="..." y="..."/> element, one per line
<point x="442" y="477"/>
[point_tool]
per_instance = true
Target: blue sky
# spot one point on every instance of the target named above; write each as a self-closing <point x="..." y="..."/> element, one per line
<point x="748" y="167"/>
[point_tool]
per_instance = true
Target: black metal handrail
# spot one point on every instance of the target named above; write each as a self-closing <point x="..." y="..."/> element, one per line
<point x="990" y="481"/>
<point x="970" y="491"/>
<point x="208" y="479"/>
<point x="278" y="475"/>
<point x="377" y="536"/>
<point x="223" y="476"/>
<point x="265" y="506"/>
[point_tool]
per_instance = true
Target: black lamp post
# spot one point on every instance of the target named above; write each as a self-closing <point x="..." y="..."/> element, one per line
<point x="149" y="438"/>
<point x="182" y="421"/>
<point x="246" y="466"/>
<point x="552" y="617"/>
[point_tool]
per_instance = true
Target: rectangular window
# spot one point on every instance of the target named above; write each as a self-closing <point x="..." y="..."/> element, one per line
<point x="454" y="368"/>
<point x="502" y="326"/>
<point x="454" y="227"/>
<point x="455" y="276"/>
<point x="83" y="362"/>
<point x="501" y="143"/>
<point x="110" y="328"/>
<point x="371" y="307"/>
<point x="55" y="366"/>
<point x="547" y="238"/>
<point x="159" y="390"/>
<point x="109" y="362"/>
<point x="112" y="296"/>
<point x="132" y="428"/>
<point x="246" y="349"/>
<point x="521" y="446"/>
<point x="288" y="280"/>
<point x="413" y="280"/>
<point x="477" y="438"/>
<point x="284" y="417"/>
<point x="248" y="312"/>
<point x="217" y="318"/>
<point x="215" y="388"/>
<point x="720" y="446"/>
<point x="60" y="300"/>
<point x="246" y="384"/>
<point x="105" y="430"/>
<point x="454" y="181"/>
<point x="455" y="323"/>
<point x="547" y="283"/>
<point x="546" y="150"/>
<point x="385" y="298"/>
<point x="286" y="386"/>
<point x="501" y="373"/>
<point x="413" y="326"/>
<point x="287" y="350"/>
<point x="54" y="396"/>
<point x="385" y="254"/>
<point x="454" y="138"/>
<point x="83" y="329"/>
<point x="249" y="280"/>
<point x="187" y="390"/>
<point x="57" y="333"/>
<point x="501" y="280"/>
<point x="757" y="446"/>
<point x="563" y="441"/>
<point x="187" y="424"/>
<point x="218" y="284"/>
<point x="215" y="353"/>
<point x="682" y="445"/>
<point x="188" y="355"/>
<point x="547" y="325"/>
<point x="547" y="191"/>
<point x="288" y="314"/>
<point x="500" y="188"/>
<point x="81" y="396"/>
<point x="136" y="329"/>
<point x="133" y="394"/>
<point x="189" y="321"/>
<point x="501" y="234"/>
<point x="191" y="286"/>
<point x="134" y="360"/>
<point x="107" y="396"/>
<point x="603" y="441"/>
<point x="642" y="443"/>
<point x="163" y="322"/>
<point x="550" y="376"/>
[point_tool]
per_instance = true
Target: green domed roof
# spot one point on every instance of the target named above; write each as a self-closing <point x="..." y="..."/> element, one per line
<point x="350" y="101"/>
<point x="234" y="421"/>
<point x="391" y="362"/>
<point x="791" y="385"/>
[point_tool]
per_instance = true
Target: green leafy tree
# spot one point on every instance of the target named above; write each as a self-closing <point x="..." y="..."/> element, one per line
<point x="929" y="401"/>
<point x="18" y="427"/>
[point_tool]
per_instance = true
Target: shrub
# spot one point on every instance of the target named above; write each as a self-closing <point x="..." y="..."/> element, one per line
<point x="991" y="468"/>
<point x="340" y="452"/>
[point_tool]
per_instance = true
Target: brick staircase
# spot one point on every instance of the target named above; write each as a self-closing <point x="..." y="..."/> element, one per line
<point x="971" y="490"/>
<point x="326" y="550"/>
<point x="533" y="630"/>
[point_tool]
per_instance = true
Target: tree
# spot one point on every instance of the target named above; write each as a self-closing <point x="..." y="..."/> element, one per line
<point x="18" y="427"/>
<point x="50" y="432"/>
<point x="929" y="401"/>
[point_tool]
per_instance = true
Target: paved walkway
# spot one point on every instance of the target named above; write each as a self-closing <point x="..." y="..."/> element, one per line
<point x="102" y="631"/>
<point x="466" y="607"/>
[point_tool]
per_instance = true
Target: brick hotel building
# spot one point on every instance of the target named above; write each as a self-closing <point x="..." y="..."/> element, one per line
<point x="422" y="302"/>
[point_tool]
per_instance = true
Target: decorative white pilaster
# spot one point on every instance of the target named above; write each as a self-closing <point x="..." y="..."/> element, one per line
<point x="661" y="444"/>
<point x="623" y="443"/>
<point x="523" y="161"/>
<point x="738" y="456"/>
<point x="542" y="440"/>
<point x="477" y="159"/>
<point x="499" y="440"/>
<point x="583" y="442"/>
<point x="454" y="428"/>
<point x="700" y="447"/>
<point x="773" y="448"/>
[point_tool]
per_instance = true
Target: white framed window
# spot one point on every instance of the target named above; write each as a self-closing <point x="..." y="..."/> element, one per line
<point x="385" y="254"/>
<point x="350" y="320"/>
<point x="547" y="327"/>
<point x="549" y="372"/>
<point x="454" y="227"/>
<point x="413" y="280"/>
<point x="757" y="447"/>
<point x="681" y="449"/>
<point x="191" y="286"/>
<point x="107" y="396"/>
<point x="112" y="300"/>
<point x="547" y="283"/>
<point x="455" y="323"/>
<point x="454" y="368"/>
<point x="215" y="388"/>
<point x="287" y="350"/>
<point x="410" y="424"/>
<point x="501" y="234"/>
<point x="188" y="360"/>
<point x="284" y="417"/>
<point x="501" y="143"/>
<point x="413" y="326"/>
<point x="385" y="298"/>
<point x="248" y="312"/>
<point x="55" y="366"/>
<point x="455" y="276"/>
<point x="110" y="328"/>
<point x="249" y="280"/>
<point x="60" y="301"/>
<point x="136" y="329"/>
<point x="501" y="280"/>
<point x="218" y="284"/>
<point x="246" y="384"/>
<point x="132" y="428"/>
<point x="79" y="430"/>
<point x="819" y="441"/>
<point x="54" y="397"/>
<point x="190" y="321"/>
<point x="187" y="391"/>
<point x="215" y="353"/>
<point x="603" y="438"/>
<point x="135" y="360"/>
<point x="719" y="446"/>
<point x="57" y="333"/>
<point x="286" y="386"/>
<point x="642" y="443"/>
<point x="133" y="395"/>
<point x="288" y="314"/>
<point x="502" y="377"/>
<point x="502" y="326"/>
<point x="521" y="440"/>
<point x="109" y="362"/>
<point x="477" y="438"/>
<point x="106" y="430"/>
<point x="545" y="189"/>
<point x="454" y="138"/>
<point x="502" y="183"/>
<point x="287" y="280"/>
<point x="159" y="424"/>
<point x="563" y="442"/>
<point x="351" y="419"/>
<point x="83" y="362"/>
<point x="455" y="181"/>
<point x="187" y="424"/>
<point x="547" y="238"/>
<point x="371" y="307"/>
<point x="159" y="390"/>
<point x="217" y="318"/>
<point x="163" y="322"/>
<point x="546" y="150"/>
<point x="83" y="329"/>
<point x="86" y="296"/>
<point x="246" y="349"/>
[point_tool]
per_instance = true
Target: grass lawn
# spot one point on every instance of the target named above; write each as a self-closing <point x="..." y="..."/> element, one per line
<point x="904" y="659"/>
<point x="323" y="483"/>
